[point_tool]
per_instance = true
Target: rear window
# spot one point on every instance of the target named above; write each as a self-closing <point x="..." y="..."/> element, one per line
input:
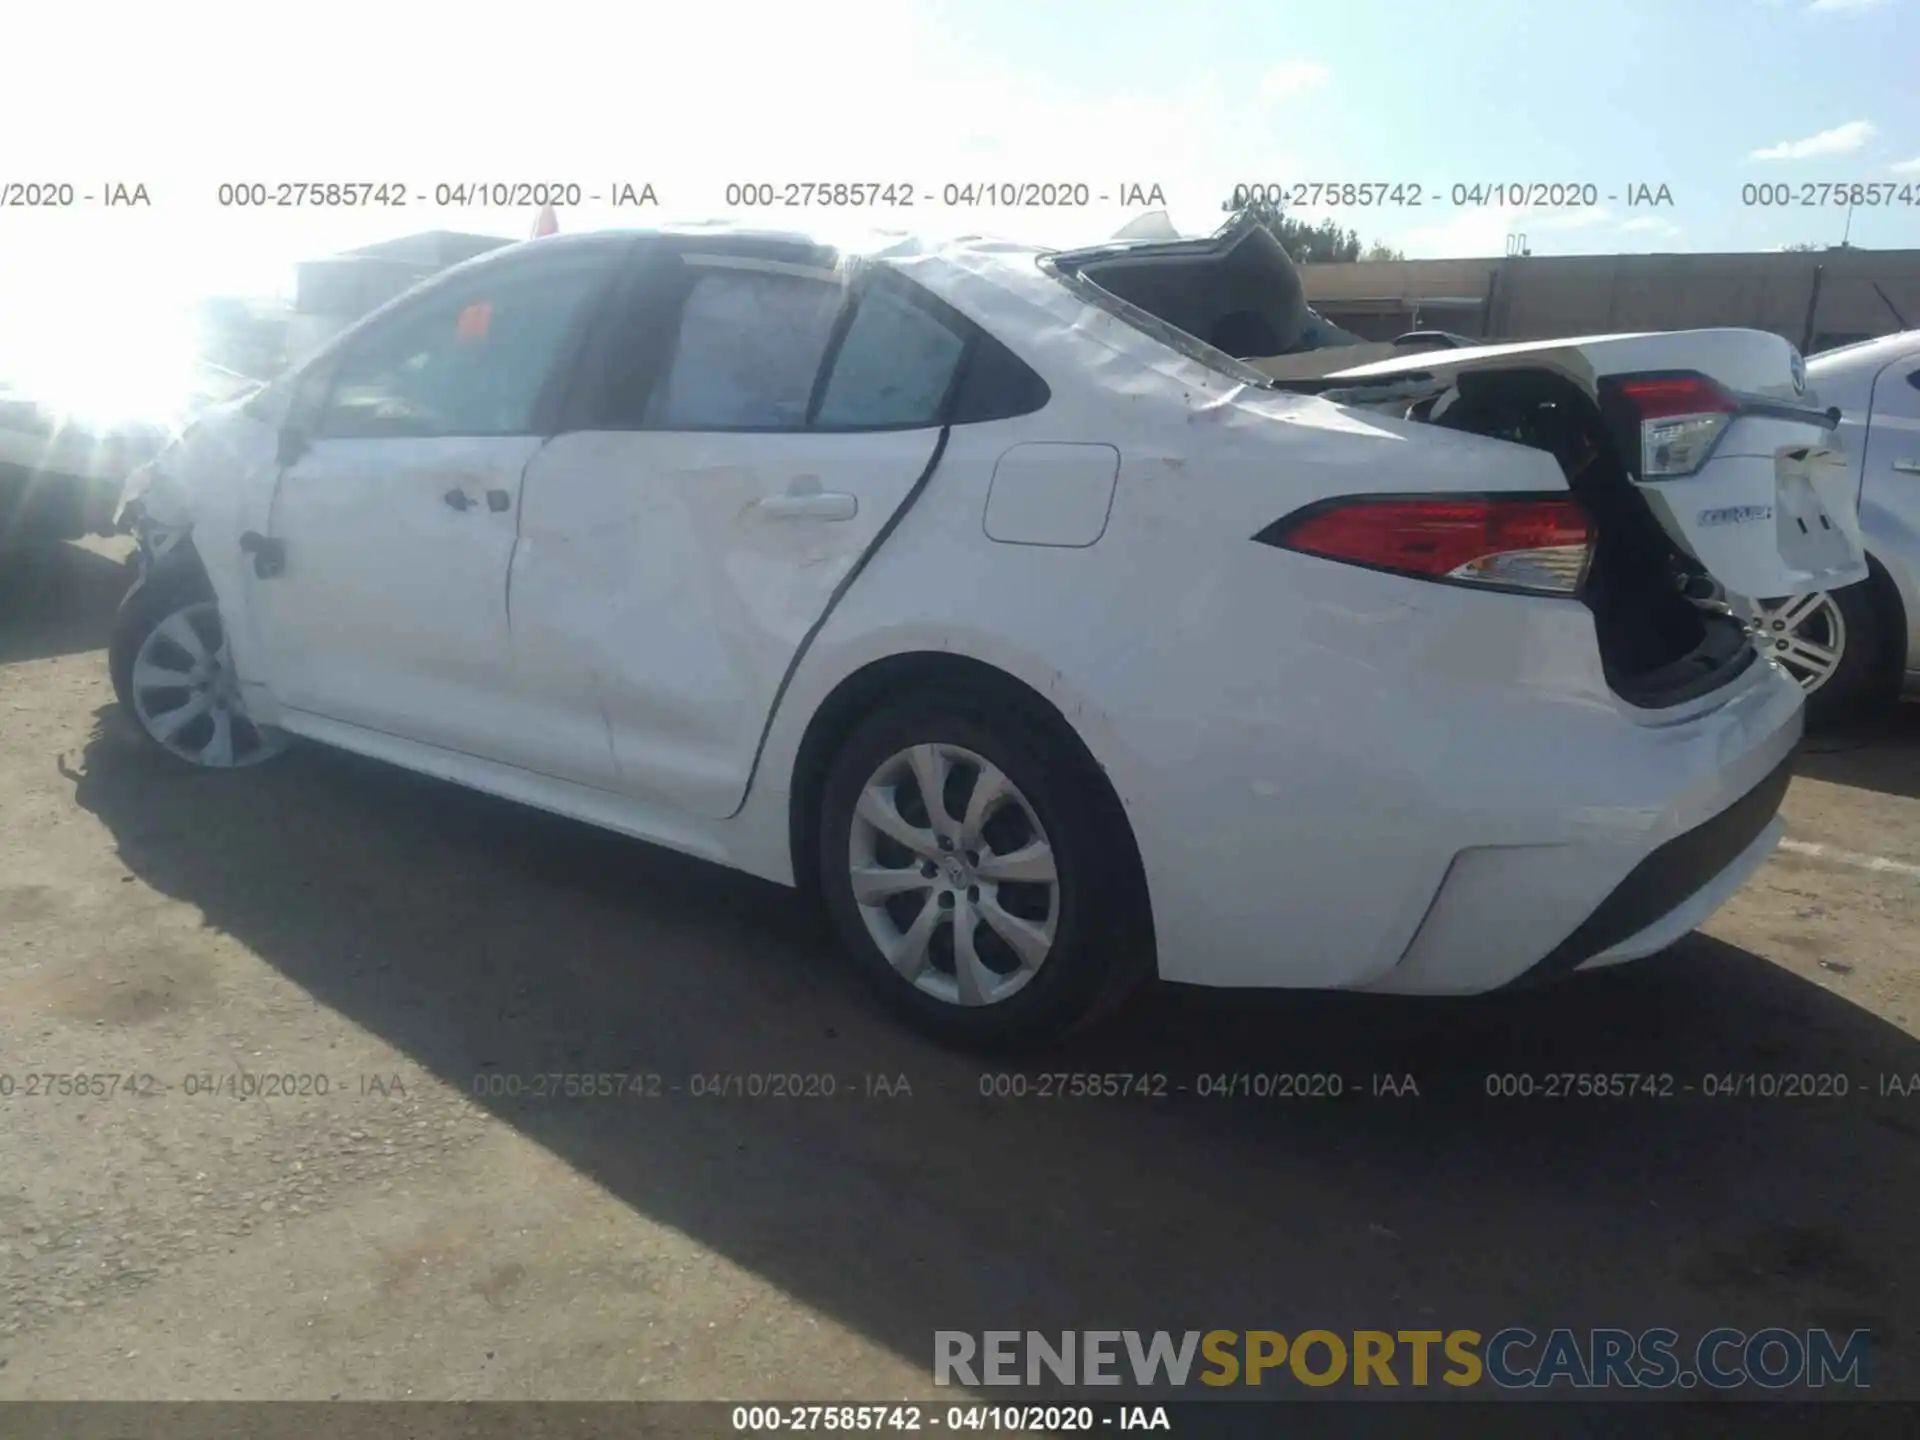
<point x="1226" y="299"/>
<point x="1172" y="336"/>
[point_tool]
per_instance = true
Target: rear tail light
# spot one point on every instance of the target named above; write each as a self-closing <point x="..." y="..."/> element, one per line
<point x="1674" y="417"/>
<point x="1532" y="544"/>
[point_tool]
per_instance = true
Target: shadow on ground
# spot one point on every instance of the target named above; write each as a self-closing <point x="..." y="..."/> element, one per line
<point x="58" y="599"/>
<point x="1880" y="753"/>
<point x="486" y="939"/>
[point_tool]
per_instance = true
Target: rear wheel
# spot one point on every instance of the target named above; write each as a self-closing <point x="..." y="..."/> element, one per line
<point x="172" y="669"/>
<point x="971" y="869"/>
<point x="1829" y="643"/>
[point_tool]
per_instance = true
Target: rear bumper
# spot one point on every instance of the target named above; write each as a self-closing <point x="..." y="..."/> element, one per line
<point x="1544" y="905"/>
<point x="1693" y="872"/>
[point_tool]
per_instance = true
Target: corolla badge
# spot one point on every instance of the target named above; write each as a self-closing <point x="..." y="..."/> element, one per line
<point x="1799" y="374"/>
<point x="1736" y="514"/>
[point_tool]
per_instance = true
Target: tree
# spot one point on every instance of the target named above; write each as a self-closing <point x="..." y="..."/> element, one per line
<point x="1808" y="246"/>
<point x="1310" y="244"/>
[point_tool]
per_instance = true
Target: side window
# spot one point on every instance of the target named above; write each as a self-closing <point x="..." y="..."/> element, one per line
<point x="998" y="385"/>
<point x="470" y="361"/>
<point x="894" y="368"/>
<point x="1913" y="378"/>
<point x="748" y="346"/>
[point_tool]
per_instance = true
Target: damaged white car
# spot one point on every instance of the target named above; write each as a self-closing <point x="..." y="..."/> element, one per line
<point x="977" y="588"/>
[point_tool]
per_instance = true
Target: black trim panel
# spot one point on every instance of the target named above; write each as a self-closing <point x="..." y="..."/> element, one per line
<point x="1668" y="878"/>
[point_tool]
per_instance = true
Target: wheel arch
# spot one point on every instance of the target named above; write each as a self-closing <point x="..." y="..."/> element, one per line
<point x="1891" y="610"/>
<point x="857" y="693"/>
<point x="179" y="568"/>
<point x="180" y="564"/>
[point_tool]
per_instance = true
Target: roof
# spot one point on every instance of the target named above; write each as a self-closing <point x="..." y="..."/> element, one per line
<point x="432" y="247"/>
<point x="873" y="243"/>
<point x="1866" y="354"/>
<point x="940" y="264"/>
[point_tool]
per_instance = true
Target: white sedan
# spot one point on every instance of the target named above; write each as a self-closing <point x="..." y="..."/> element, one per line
<point x="1861" y="644"/>
<point x="61" y="472"/>
<point x="973" y="587"/>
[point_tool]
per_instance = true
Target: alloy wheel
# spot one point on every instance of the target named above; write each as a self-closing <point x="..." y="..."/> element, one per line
<point x="1805" y="635"/>
<point x="186" y="694"/>
<point x="953" y="875"/>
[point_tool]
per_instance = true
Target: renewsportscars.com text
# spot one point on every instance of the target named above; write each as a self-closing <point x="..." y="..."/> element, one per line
<point x="1512" y="1359"/>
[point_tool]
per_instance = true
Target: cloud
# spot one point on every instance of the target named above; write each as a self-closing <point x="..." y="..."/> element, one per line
<point x="1837" y="141"/>
<point x="1906" y="167"/>
<point x="1834" y="7"/>
<point x="1291" y="78"/>
<point x="1474" y="231"/>
<point x="1646" y="233"/>
<point x="1574" y="218"/>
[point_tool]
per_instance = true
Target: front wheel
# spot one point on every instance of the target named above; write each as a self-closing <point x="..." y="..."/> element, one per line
<point x="972" y="869"/>
<point x="173" y="672"/>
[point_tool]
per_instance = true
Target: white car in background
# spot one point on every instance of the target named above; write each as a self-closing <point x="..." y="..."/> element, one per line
<point x="59" y="478"/>
<point x="61" y="473"/>
<point x="968" y="587"/>
<point x="1851" y="647"/>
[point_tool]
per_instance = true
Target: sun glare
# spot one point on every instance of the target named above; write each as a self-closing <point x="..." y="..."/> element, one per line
<point x="105" y="365"/>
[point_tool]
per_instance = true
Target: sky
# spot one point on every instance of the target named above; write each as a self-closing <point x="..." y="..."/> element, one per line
<point x="1703" y="97"/>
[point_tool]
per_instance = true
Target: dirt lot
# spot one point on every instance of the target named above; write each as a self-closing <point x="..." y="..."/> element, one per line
<point x="409" y="1234"/>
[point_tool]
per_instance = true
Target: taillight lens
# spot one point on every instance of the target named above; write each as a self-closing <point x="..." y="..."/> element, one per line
<point x="1679" y="416"/>
<point x="1536" y="545"/>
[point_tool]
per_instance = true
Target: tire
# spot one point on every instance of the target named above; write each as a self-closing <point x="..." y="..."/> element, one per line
<point x="1094" y="913"/>
<point x="177" y="592"/>
<point x="1858" y="682"/>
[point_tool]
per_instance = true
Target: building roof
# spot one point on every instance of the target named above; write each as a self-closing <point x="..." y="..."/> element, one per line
<point x="428" y="247"/>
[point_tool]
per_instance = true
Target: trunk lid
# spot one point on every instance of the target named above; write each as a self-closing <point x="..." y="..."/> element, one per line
<point x="1715" y="428"/>
<point x="1717" y="432"/>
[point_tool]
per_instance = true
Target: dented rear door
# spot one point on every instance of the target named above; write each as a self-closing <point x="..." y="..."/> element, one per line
<point x="663" y="584"/>
<point x="677" y="550"/>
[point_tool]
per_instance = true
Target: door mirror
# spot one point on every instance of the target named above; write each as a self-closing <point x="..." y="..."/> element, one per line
<point x="293" y="444"/>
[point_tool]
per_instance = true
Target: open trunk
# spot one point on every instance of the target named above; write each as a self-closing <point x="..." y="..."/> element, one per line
<point x="1665" y="634"/>
<point x="1763" y="510"/>
<point x="1705" y="469"/>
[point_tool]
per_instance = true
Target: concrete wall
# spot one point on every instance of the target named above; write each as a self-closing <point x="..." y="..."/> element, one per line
<point x="1538" y="297"/>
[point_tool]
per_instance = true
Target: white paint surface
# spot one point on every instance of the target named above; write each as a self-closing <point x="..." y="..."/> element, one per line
<point x="1302" y="748"/>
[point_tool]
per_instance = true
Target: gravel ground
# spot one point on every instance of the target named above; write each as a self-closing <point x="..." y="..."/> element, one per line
<point x="417" y="1232"/>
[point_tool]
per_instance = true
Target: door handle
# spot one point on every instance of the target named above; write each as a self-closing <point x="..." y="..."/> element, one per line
<point x="458" y="499"/>
<point x="811" y="504"/>
<point x="498" y="500"/>
<point x="1907" y="467"/>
